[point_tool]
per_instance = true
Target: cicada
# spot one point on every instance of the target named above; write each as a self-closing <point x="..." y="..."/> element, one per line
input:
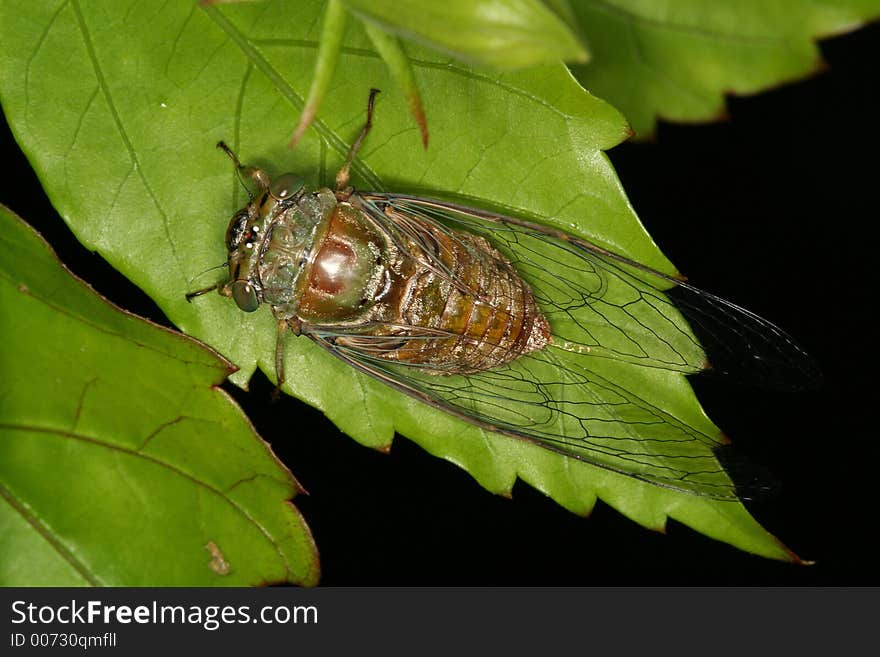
<point x="501" y="321"/>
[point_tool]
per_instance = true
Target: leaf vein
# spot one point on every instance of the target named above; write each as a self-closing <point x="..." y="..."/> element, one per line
<point x="296" y="100"/>
<point x="163" y="464"/>
<point x="62" y="550"/>
<point x="37" y="47"/>
<point x="638" y="19"/>
<point x="123" y="134"/>
<point x="102" y="329"/>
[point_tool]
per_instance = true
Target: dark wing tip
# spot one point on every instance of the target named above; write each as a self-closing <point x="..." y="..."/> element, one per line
<point x="751" y="481"/>
<point x="743" y="346"/>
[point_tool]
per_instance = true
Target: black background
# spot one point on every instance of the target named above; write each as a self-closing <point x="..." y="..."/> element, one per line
<point x="772" y="210"/>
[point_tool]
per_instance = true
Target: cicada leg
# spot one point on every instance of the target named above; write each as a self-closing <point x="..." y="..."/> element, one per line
<point x="260" y="177"/>
<point x="294" y="326"/>
<point x="197" y="293"/>
<point x="222" y="287"/>
<point x="343" y="176"/>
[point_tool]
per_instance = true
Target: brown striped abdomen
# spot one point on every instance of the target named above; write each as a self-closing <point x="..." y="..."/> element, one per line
<point x="456" y="285"/>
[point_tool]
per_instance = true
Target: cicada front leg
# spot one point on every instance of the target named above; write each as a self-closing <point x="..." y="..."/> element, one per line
<point x="294" y="325"/>
<point x="197" y="293"/>
<point x="260" y="177"/>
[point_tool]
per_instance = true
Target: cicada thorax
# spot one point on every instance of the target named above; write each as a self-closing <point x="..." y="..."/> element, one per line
<point x="345" y="271"/>
<point x="420" y="293"/>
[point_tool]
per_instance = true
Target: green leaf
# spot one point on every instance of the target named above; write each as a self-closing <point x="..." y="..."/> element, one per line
<point x="501" y="34"/>
<point x="676" y="61"/>
<point x="123" y="139"/>
<point x="121" y="462"/>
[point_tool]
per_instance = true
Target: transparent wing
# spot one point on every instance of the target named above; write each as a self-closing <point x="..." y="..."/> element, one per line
<point x="601" y="308"/>
<point x="606" y="305"/>
<point x="546" y="399"/>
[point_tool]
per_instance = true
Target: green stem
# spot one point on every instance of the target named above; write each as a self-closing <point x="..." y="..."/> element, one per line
<point x="325" y="65"/>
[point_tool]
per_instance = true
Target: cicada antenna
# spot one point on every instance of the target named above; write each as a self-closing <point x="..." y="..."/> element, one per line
<point x="202" y="273"/>
<point x="198" y="293"/>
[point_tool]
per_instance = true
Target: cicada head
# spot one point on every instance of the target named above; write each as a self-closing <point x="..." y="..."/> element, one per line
<point x="248" y="235"/>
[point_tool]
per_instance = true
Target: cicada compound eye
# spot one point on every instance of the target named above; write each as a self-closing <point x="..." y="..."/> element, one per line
<point x="245" y="296"/>
<point x="236" y="229"/>
<point x="286" y="186"/>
